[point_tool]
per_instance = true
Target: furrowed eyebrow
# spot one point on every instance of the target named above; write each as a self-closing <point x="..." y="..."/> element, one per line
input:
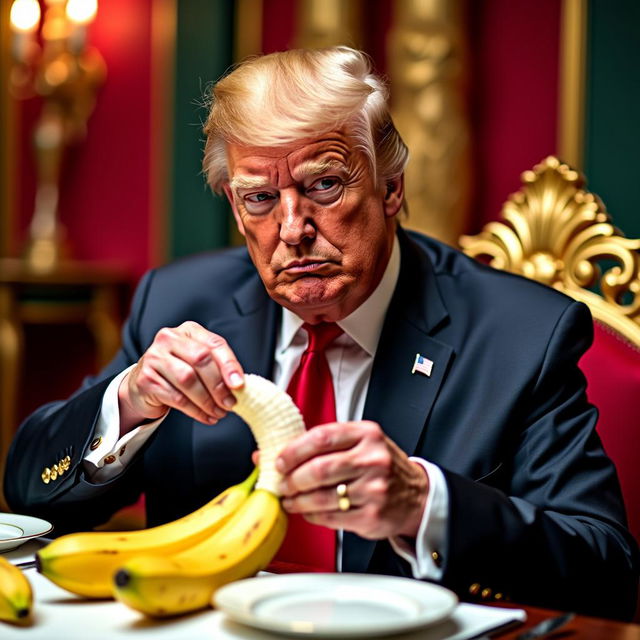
<point x="317" y="167"/>
<point x="248" y="182"/>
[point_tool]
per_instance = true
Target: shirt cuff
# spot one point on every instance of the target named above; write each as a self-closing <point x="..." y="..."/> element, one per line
<point x="426" y="555"/>
<point x="107" y="455"/>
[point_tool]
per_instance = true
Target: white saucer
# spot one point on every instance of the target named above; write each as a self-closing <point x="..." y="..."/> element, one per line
<point x="16" y="530"/>
<point x="345" y="605"/>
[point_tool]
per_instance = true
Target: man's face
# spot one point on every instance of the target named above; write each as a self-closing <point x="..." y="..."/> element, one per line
<point x="318" y="229"/>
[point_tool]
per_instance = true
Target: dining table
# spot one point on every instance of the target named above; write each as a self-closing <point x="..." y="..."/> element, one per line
<point x="58" y="614"/>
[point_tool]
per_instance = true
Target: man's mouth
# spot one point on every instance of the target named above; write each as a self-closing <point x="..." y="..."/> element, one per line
<point x="306" y="266"/>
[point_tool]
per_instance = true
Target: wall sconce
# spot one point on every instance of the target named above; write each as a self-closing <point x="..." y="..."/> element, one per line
<point x="53" y="60"/>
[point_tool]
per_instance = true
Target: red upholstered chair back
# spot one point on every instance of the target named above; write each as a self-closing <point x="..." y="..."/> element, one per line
<point x="612" y="368"/>
<point x="557" y="233"/>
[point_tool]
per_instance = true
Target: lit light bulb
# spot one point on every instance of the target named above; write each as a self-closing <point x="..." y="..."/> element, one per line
<point x="25" y="15"/>
<point x="82" y="11"/>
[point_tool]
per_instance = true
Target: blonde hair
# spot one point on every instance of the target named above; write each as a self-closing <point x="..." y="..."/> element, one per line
<point x="287" y="96"/>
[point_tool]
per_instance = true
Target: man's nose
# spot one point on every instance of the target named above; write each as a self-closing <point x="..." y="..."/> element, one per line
<point x="296" y="220"/>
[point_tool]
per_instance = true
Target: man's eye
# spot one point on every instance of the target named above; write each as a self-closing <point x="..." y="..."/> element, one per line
<point x="259" y="197"/>
<point x="259" y="203"/>
<point x="326" y="190"/>
<point x="324" y="184"/>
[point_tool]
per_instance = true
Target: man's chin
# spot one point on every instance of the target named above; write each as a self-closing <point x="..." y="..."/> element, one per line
<point x="310" y="294"/>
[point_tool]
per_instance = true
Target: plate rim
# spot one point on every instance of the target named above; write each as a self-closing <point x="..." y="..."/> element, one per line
<point x="34" y="520"/>
<point x="242" y="610"/>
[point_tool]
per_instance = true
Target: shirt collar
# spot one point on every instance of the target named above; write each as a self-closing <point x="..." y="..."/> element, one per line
<point x="364" y="325"/>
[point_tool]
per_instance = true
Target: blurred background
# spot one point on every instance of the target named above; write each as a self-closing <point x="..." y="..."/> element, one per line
<point x="101" y="107"/>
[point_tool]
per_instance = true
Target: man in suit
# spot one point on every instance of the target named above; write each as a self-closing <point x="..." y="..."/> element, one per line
<point x="480" y="469"/>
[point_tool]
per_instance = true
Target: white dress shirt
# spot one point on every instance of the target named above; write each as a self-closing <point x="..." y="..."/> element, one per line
<point x="350" y="359"/>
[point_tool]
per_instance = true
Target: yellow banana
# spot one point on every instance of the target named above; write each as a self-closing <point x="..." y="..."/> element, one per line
<point x="186" y="581"/>
<point x="84" y="563"/>
<point x="171" y="585"/>
<point x="16" y="596"/>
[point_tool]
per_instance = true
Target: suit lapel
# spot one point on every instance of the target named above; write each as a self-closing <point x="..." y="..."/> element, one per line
<point x="252" y="333"/>
<point x="399" y="400"/>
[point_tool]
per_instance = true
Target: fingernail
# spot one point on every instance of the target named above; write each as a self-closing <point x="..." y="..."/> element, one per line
<point x="229" y="401"/>
<point x="236" y="380"/>
<point x="212" y="419"/>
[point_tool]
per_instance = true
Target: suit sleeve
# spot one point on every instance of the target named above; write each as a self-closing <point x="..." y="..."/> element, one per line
<point x="549" y="527"/>
<point x="63" y="430"/>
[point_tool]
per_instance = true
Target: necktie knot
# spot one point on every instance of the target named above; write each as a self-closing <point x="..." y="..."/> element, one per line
<point x="321" y="335"/>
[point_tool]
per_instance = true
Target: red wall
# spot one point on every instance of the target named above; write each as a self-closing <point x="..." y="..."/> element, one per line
<point x="514" y="59"/>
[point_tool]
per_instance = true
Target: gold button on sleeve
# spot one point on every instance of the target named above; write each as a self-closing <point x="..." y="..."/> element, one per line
<point x="437" y="558"/>
<point x="61" y="467"/>
<point x="474" y="589"/>
<point x="110" y="459"/>
<point x="54" y="472"/>
<point x="95" y="443"/>
<point x="46" y="475"/>
<point x="485" y="594"/>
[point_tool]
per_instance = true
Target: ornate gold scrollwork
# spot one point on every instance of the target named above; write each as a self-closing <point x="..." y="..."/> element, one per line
<point x="557" y="233"/>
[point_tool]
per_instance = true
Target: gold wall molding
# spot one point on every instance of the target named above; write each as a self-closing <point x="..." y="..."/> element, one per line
<point x="325" y="23"/>
<point x="427" y="55"/>
<point x="572" y="81"/>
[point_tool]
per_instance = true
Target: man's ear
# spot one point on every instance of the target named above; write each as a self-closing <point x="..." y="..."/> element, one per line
<point x="393" y="195"/>
<point x="236" y="215"/>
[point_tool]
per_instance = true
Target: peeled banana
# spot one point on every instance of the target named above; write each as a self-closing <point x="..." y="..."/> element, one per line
<point x="170" y="585"/>
<point x="273" y="419"/>
<point x="84" y="563"/>
<point x="16" y="597"/>
<point x="186" y="581"/>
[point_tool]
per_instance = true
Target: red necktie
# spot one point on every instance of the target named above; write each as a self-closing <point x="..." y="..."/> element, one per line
<point x="309" y="547"/>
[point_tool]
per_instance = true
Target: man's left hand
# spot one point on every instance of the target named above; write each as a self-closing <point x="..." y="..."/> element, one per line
<point x="386" y="490"/>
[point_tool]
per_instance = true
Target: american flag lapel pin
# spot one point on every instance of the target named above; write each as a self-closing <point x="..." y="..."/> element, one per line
<point x="422" y="365"/>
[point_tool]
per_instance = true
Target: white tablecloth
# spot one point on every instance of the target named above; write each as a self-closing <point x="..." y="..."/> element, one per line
<point x="59" y="615"/>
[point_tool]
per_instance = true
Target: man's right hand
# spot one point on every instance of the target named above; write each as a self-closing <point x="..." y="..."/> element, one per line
<point x="186" y="368"/>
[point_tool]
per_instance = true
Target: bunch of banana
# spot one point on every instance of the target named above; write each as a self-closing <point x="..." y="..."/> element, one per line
<point x="186" y="581"/>
<point x="84" y="563"/>
<point x="16" y="596"/>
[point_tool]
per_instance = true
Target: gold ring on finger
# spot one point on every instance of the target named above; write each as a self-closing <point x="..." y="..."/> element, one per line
<point x="344" y="504"/>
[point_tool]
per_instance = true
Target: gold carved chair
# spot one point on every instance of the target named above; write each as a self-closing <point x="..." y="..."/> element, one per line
<point x="554" y="231"/>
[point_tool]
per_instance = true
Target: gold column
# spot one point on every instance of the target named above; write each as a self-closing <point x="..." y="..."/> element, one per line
<point x="325" y="23"/>
<point x="428" y="70"/>
<point x="248" y="29"/>
<point x="572" y="89"/>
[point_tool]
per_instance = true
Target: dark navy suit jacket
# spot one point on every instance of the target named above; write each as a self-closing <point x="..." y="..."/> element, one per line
<point x="535" y="507"/>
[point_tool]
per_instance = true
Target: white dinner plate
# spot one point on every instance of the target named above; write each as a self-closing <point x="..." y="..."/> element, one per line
<point x="16" y="530"/>
<point x="345" y="605"/>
